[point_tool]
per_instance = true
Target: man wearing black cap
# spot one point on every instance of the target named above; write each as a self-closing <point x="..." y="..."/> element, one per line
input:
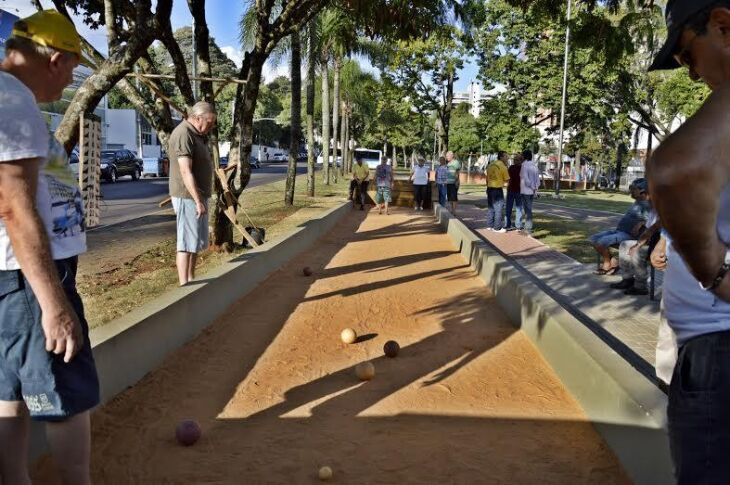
<point x="689" y="176"/>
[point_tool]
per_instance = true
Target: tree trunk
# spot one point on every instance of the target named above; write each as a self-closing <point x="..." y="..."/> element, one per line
<point x="620" y="152"/>
<point x="241" y="141"/>
<point x="296" y="114"/>
<point x="311" y="74"/>
<point x="347" y="142"/>
<point x="395" y="159"/>
<point x="326" y="120"/>
<point x="446" y="114"/>
<point x="343" y="141"/>
<point x="119" y="63"/>
<point x="649" y="146"/>
<point x="336" y="114"/>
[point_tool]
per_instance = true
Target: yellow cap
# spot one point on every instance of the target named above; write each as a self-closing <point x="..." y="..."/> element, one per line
<point x="50" y="28"/>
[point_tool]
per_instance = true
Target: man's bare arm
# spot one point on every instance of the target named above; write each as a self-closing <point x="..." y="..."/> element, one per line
<point x="18" y="184"/>
<point x="687" y="173"/>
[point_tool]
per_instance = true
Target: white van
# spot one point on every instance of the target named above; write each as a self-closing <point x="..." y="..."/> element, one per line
<point x="371" y="157"/>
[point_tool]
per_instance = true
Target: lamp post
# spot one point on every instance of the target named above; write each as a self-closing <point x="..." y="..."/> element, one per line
<point x="562" y="107"/>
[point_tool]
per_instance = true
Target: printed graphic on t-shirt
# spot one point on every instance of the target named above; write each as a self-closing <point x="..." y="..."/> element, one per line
<point x="67" y="206"/>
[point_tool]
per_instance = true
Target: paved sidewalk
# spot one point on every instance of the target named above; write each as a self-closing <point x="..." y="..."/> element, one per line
<point x="632" y="320"/>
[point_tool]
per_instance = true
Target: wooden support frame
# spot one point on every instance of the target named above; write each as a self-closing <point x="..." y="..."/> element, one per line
<point x="230" y="203"/>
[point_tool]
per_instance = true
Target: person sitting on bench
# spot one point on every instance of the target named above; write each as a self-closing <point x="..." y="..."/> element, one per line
<point x="633" y="259"/>
<point x="631" y="226"/>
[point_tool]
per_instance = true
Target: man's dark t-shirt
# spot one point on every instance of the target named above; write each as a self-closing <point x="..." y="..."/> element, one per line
<point x="185" y="141"/>
<point x="514" y="179"/>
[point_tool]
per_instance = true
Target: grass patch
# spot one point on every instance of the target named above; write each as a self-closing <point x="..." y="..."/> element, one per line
<point x="567" y="237"/>
<point x="115" y="293"/>
<point x="601" y="200"/>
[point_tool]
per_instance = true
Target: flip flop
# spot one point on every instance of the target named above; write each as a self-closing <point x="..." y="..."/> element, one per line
<point x="600" y="272"/>
<point x="612" y="271"/>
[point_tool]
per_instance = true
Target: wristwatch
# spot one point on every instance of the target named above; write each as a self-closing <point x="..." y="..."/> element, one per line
<point x="720" y="274"/>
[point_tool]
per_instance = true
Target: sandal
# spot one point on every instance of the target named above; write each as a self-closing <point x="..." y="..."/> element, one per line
<point x="612" y="271"/>
<point x="600" y="272"/>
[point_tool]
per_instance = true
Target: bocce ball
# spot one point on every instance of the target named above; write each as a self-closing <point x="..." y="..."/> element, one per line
<point x="391" y="348"/>
<point x="365" y="371"/>
<point x="188" y="432"/>
<point x="348" y="336"/>
<point x="307" y="271"/>
<point x="325" y="473"/>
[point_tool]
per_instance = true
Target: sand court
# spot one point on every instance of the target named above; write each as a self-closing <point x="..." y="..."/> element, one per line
<point x="469" y="399"/>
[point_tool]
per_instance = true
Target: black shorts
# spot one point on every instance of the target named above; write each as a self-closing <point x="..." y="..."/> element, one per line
<point x="452" y="193"/>
<point x="52" y="389"/>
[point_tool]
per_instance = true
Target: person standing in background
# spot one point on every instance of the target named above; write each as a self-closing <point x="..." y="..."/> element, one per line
<point x="442" y="178"/>
<point x="529" y="183"/>
<point x="419" y="177"/>
<point x="514" y="194"/>
<point x="452" y="184"/>
<point x="497" y="178"/>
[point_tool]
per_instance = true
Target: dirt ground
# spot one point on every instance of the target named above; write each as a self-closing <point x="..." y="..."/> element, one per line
<point x="468" y="400"/>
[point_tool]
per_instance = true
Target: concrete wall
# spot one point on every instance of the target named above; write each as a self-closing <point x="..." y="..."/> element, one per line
<point x="626" y="408"/>
<point x="137" y="343"/>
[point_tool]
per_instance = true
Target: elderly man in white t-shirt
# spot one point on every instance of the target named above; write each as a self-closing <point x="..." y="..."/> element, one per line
<point x="47" y="371"/>
<point x="419" y="177"/>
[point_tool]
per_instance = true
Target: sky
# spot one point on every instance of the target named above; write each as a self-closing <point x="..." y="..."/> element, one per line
<point x="222" y="17"/>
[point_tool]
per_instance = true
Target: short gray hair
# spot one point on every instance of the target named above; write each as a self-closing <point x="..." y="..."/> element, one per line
<point x="201" y="108"/>
<point x="28" y="47"/>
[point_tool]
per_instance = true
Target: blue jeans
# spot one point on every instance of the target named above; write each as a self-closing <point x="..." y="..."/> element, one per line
<point x="514" y="199"/>
<point x="495" y="212"/>
<point x="527" y="208"/>
<point x="442" y="194"/>
<point x="699" y="410"/>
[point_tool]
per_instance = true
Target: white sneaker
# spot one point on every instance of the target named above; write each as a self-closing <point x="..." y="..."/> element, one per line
<point x="501" y="231"/>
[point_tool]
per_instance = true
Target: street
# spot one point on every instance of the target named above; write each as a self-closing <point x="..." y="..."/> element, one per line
<point x="128" y="200"/>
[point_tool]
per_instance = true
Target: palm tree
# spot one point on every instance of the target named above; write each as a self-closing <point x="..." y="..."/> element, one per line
<point x="312" y="38"/>
<point x="296" y="116"/>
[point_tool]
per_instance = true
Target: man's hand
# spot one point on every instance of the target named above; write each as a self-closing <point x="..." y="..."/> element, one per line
<point x="659" y="255"/>
<point x="634" y="249"/>
<point x="200" y="209"/>
<point x="63" y="331"/>
<point x="723" y="291"/>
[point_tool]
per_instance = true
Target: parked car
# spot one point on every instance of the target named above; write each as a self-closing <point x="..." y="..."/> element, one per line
<point x="302" y="156"/>
<point x="118" y="163"/>
<point x="252" y="160"/>
<point x="279" y="157"/>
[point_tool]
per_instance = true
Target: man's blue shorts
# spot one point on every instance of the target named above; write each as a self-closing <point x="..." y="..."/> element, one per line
<point x="52" y="389"/>
<point x="610" y="238"/>
<point x="192" y="231"/>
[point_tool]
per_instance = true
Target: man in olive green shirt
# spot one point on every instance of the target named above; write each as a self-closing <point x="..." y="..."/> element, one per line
<point x="452" y="183"/>
<point x="191" y="181"/>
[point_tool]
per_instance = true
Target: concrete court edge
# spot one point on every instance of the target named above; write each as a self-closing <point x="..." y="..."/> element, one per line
<point x="131" y="346"/>
<point x="626" y="408"/>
